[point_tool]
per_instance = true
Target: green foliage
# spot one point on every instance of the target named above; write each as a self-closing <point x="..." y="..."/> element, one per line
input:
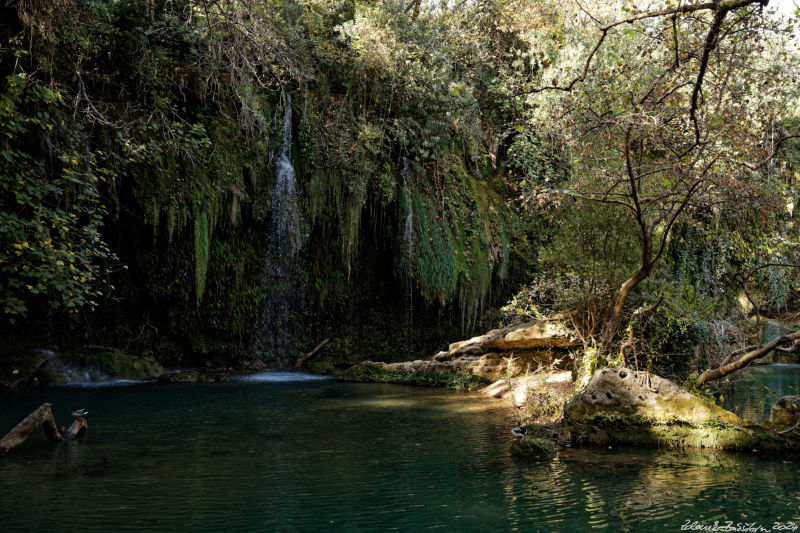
<point x="435" y="377"/>
<point x="201" y="245"/>
<point x="589" y="255"/>
<point x="434" y="252"/>
<point x="234" y="273"/>
<point x="51" y="248"/>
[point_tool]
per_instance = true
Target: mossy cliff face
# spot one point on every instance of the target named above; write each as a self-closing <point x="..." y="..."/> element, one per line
<point x="188" y="144"/>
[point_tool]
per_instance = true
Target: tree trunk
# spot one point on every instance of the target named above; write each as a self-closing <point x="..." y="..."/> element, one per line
<point x="304" y="358"/>
<point x="43" y="416"/>
<point x="743" y="361"/>
<point x="612" y="326"/>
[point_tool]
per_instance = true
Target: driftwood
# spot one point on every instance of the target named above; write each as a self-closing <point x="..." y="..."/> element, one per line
<point x="304" y="358"/>
<point x="748" y="357"/>
<point x="43" y="416"/>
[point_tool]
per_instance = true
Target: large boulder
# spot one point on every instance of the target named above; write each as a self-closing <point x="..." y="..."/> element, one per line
<point x="621" y="406"/>
<point x="627" y="393"/>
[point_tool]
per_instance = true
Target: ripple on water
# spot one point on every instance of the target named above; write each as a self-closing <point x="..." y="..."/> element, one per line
<point x="333" y="456"/>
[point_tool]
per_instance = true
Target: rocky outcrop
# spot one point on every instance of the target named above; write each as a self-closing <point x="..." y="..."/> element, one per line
<point x="784" y="416"/>
<point x="620" y="406"/>
<point x="120" y="364"/>
<point x="534" y="447"/>
<point x="499" y="354"/>
<point x="627" y="393"/>
<point x="21" y="367"/>
<point x="191" y="376"/>
<point x="431" y="373"/>
<point x="537" y="335"/>
<point x="540" y="396"/>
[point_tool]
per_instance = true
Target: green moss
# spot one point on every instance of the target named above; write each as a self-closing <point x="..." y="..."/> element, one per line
<point x="123" y="365"/>
<point x="534" y="447"/>
<point x="433" y="252"/>
<point x="323" y="367"/>
<point x="201" y="246"/>
<point x="434" y="377"/>
<point x="600" y="430"/>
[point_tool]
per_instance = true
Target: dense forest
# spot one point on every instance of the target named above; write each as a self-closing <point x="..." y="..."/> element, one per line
<point x="213" y="181"/>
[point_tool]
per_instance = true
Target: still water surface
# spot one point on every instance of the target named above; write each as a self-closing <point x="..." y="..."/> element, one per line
<point x="756" y="388"/>
<point x="277" y="454"/>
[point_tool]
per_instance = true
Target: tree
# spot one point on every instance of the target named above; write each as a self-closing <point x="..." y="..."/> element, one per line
<point x="666" y="118"/>
<point x="51" y="249"/>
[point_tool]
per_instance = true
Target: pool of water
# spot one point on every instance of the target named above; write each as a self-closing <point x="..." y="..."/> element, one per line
<point x="288" y="455"/>
<point x="756" y="388"/>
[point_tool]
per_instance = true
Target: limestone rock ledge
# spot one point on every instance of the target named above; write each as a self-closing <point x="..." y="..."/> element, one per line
<point x="499" y="354"/>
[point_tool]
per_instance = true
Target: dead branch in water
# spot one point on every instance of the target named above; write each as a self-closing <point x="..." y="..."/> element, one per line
<point x="42" y="416"/>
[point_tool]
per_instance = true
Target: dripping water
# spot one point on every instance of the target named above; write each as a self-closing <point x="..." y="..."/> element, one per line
<point x="408" y="240"/>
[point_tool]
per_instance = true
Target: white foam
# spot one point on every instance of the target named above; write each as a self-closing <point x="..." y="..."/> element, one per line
<point x="103" y="384"/>
<point x="280" y="377"/>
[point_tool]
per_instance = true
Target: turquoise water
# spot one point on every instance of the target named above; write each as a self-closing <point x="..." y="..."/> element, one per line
<point x="756" y="388"/>
<point x="285" y="455"/>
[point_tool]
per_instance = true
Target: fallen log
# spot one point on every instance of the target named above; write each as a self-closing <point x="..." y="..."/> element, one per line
<point x="304" y="358"/>
<point x="748" y="357"/>
<point x="42" y="416"/>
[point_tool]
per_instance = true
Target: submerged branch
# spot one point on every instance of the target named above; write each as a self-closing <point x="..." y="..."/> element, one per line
<point x="42" y="416"/>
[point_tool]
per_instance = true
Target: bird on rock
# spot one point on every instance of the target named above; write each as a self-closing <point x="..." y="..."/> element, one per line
<point x="76" y="413"/>
<point x="519" y="432"/>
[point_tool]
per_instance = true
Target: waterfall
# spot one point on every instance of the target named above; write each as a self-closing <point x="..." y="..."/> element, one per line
<point x="285" y="222"/>
<point x="64" y="372"/>
<point x="408" y="238"/>
<point x="281" y="310"/>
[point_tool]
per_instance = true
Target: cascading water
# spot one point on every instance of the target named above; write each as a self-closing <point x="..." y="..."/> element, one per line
<point x="64" y="372"/>
<point x="408" y="238"/>
<point x="285" y="223"/>
<point x="281" y="309"/>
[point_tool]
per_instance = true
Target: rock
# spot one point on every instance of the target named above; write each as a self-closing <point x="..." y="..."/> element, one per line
<point x="20" y="367"/>
<point x="414" y="373"/>
<point x="179" y="377"/>
<point x="123" y="365"/>
<point x="784" y="416"/>
<point x="627" y="393"/>
<point x="498" y="389"/>
<point x="442" y="356"/>
<point x="323" y="367"/>
<point x="501" y="353"/>
<point x="534" y="447"/>
<point x="624" y="407"/>
<point x="537" y="334"/>
<point x="253" y="364"/>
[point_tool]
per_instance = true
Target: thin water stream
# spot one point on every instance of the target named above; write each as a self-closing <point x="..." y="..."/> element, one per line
<point x="275" y="453"/>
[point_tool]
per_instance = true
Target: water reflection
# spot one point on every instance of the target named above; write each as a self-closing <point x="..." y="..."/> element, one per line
<point x="324" y="455"/>
<point x="756" y="389"/>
